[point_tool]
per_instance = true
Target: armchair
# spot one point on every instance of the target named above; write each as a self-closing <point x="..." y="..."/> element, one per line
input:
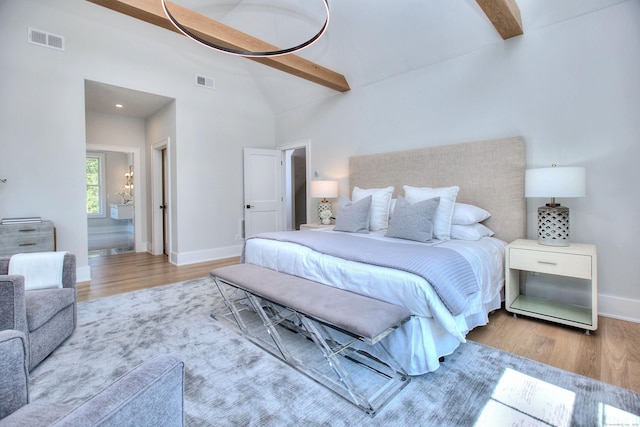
<point x="46" y="317"/>
<point x="148" y="395"/>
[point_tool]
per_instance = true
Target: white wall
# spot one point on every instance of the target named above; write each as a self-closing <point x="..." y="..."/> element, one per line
<point x="571" y="89"/>
<point x="42" y="119"/>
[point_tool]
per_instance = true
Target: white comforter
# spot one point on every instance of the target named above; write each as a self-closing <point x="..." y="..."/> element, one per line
<point x="433" y="331"/>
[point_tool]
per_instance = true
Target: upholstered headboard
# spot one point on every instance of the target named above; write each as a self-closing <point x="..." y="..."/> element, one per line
<point x="490" y="175"/>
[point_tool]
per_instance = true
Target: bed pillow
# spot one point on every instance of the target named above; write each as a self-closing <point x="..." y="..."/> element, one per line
<point x="444" y="213"/>
<point x="353" y="217"/>
<point x="465" y="214"/>
<point x="413" y="221"/>
<point x="380" y="204"/>
<point x="470" y="232"/>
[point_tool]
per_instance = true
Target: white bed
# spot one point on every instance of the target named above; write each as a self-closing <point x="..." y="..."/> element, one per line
<point x="490" y="175"/>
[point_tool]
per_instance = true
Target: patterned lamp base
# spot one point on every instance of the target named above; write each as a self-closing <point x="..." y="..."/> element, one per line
<point x="553" y="225"/>
<point x="323" y="206"/>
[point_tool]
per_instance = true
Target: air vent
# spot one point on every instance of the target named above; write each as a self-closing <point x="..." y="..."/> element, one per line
<point x="42" y="38"/>
<point x="207" y="82"/>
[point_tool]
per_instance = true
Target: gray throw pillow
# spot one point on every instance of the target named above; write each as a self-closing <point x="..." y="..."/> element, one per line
<point x="353" y="217"/>
<point x="413" y="221"/>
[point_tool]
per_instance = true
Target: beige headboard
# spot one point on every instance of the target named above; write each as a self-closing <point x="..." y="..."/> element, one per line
<point x="490" y="175"/>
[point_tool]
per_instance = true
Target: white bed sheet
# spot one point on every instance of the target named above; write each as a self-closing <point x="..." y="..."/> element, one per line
<point x="433" y="331"/>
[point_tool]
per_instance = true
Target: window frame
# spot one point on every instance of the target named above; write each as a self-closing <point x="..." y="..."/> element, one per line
<point x="102" y="197"/>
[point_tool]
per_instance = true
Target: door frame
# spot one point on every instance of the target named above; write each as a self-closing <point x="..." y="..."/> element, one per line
<point x="306" y="144"/>
<point x="138" y="223"/>
<point x="157" y="229"/>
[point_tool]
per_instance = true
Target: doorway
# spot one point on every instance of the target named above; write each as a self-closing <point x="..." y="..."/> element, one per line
<point x="296" y="183"/>
<point x="115" y="228"/>
<point x="160" y="196"/>
<point x="295" y="188"/>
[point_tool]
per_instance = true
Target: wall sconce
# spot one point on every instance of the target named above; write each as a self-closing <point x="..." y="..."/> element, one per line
<point x="129" y="181"/>
<point x="553" y="219"/>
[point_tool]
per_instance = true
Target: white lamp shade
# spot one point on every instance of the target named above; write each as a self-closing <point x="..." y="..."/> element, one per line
<point x="324" y="189"/>
<point x="555" y="182"/>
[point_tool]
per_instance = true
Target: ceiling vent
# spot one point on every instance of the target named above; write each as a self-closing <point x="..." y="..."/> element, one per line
<point x="42" y="38"/>
<point x="207" y="82"/>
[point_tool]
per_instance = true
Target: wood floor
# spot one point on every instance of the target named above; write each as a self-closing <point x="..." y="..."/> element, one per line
<point x="611" y="354"/>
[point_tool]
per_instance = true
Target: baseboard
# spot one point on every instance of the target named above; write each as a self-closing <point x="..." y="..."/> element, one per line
<point x="83" y="274"/>
<point x="619" y="308"/>
<point x="206" y="255"/>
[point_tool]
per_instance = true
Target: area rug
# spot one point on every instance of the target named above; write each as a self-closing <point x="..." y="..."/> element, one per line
<point x="231" y="382"/>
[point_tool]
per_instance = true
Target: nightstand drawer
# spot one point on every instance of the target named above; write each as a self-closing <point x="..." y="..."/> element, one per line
<point x="561" y="264"/>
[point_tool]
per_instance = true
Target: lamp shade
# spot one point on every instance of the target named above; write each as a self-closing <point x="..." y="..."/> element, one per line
<point x="555" y="182"/>
<point x="324" y="189"/>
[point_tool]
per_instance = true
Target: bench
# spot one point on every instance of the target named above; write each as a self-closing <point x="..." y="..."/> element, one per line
<point x="324" y="314"/>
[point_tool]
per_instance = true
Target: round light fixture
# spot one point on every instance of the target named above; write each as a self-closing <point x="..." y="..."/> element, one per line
<point x="248" y="53"/>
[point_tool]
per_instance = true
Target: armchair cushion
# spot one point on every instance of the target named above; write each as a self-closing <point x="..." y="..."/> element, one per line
<point x="43" y="304"/>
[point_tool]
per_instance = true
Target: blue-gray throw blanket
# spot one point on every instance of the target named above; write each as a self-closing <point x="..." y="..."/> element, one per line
<point x="448" y="272"/>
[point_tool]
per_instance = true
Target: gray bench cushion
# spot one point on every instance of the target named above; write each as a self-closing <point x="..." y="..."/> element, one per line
<point x="363" y="316"/>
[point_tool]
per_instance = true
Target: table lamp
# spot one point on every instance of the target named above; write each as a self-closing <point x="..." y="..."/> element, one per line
<point x="324" y="190"/>
<point x="553" y="219"/>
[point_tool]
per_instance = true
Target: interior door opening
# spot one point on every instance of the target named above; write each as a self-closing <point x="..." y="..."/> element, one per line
<point x="295" y="161"/>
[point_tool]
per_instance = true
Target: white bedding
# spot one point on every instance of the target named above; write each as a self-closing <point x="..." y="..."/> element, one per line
<point x="433" y="331"/>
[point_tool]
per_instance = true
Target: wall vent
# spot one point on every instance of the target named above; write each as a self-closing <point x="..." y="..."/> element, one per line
<point x="42" y="38"/>
<point x="207" y="82"/>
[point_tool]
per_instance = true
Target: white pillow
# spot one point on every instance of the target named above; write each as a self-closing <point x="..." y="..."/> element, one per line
<point x="380" y="203"/>
<point x="465" y="214"/>
<point x="470" y="232"/>
<point x="444" y="213"/>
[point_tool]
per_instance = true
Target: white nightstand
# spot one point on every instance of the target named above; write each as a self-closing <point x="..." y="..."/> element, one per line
<point x="315" y="225"/>
<point x="577" y="260"/>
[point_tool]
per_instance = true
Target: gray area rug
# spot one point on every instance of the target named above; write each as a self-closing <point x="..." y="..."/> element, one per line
<point x="231" y="382"/>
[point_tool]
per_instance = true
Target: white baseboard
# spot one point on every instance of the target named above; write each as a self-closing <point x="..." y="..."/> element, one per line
<point x="83" y="274"/>
<point x="619" y="308"/>
<point x="206" y="255"/>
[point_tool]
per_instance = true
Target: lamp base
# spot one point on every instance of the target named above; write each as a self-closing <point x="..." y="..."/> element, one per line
<point x="324" y="205"/>
<point x="553" y="225"/>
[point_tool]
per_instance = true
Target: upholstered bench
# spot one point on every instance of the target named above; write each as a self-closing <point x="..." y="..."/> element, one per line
<point x="318" y="308"/>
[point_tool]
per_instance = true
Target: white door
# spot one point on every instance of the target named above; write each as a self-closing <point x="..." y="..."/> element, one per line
<point x="262" y="191"/>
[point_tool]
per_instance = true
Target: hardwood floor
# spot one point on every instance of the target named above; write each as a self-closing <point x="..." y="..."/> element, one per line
<point x="115" y="274"/>
<point x="611" y="354"/>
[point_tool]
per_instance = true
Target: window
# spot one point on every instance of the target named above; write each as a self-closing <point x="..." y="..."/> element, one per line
<point x="95" y="185"/>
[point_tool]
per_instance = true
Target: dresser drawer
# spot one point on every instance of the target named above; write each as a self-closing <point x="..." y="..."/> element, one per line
<point x="562" y="264"/>
<point x="31" y="237"/>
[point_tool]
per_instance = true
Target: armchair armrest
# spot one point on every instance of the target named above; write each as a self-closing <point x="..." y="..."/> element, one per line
<point x="149" y="395"/>
<point x="14" y="382"/>
<point x="13" y="312"/>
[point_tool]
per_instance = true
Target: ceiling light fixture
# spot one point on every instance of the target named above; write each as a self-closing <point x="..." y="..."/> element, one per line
<point x="119" y="105"/>
<point x="242" y="52"/>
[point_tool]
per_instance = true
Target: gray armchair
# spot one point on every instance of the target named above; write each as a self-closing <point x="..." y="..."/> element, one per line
<point x="47" y="317"/>
<point x="149" y="395"/>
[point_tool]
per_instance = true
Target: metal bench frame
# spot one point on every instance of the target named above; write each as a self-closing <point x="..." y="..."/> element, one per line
<point x="272" y="314"/>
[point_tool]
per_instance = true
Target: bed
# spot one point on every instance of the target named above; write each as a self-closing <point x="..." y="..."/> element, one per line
<point x="489" y="175"/>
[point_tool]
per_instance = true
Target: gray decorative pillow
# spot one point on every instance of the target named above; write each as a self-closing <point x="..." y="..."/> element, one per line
<point x="353" y="217"/>
<point x="413" y="221"/>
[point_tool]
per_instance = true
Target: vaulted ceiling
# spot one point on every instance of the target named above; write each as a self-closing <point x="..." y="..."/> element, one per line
<point x="367" y="41"/>
<point x="504" y="14"/>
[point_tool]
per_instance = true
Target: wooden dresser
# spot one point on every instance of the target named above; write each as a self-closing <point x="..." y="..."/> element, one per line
<point x="27" y="237"/>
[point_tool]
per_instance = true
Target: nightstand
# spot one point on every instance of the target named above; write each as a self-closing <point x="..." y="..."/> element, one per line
<point x="312" y="226"/>
<point x="577" y="260"/>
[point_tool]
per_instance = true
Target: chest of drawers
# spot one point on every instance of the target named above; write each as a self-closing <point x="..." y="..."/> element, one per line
<point x="28" y="237"/>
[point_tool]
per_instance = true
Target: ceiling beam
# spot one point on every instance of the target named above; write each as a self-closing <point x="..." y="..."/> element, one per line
<point x="504" y="15"/>
<point x="151" y="11"/>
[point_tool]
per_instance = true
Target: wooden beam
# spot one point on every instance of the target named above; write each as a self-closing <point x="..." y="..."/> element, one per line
<point x="151" y="11"/>
<point x="504" y="15"/>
